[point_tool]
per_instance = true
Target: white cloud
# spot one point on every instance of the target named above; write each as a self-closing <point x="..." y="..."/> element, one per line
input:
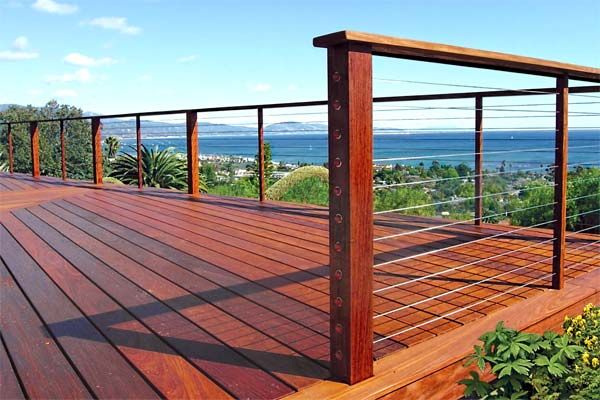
<point x="54" y="7"/>
<point x="119" y="24"/>
<point x="65" y="93"/>
<point x="145" y="78"/>
<point x="187" y="59"/>
<point x="85" y="61"/>
<point x="20" y="43"/>
<point x="18" y="52"/>
<point x="259" y="87"/>
<point x="81" y="75"/>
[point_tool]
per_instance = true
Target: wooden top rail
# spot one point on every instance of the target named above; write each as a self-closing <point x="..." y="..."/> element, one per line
<point x="389" y="46"/>
<point x="418" y="97"/>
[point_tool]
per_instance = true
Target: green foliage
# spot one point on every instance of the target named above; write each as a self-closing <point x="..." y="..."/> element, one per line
<point x="312" y="190"/>
<point x="584" y="190"/>
<point x="404" y="197"/>
<point x="160" y="168"/>
<point x="111" y="147"/>
<point x="268" y="165"/>
<point x="531" y="366"/>
<point x="303" y="185"/>
<point x="241" y="188"/>
<point x="77" y="138"/>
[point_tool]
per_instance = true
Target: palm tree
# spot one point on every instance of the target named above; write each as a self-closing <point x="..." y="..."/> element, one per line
<point x="3" y="164"/>
<point x="160" y="168"/>
<point x="112" y="146"/>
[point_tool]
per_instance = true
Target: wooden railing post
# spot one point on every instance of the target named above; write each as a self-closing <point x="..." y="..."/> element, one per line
<point x="261" y="155"/>
<point x="138" y="142"/>
<point x="63" y="151"/>
<point x="478" y="160"/>
<point x="192" y="153"/>
<point x="560" y="180"/>
<point x="350" y="211"/>
<point x="11" y="156"/>
<point x="97" y="150"/>
<point x="34" y="134"/>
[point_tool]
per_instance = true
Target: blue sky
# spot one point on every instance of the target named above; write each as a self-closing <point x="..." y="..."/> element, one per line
<point x="131" y="55"/>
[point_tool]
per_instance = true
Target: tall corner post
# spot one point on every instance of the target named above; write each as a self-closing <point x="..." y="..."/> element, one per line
<point x="63" y="151"/>
<point x="560" y="181"/>
<point x="350" y="109"/>
<point x="138" y="149"/>
<point x="97" y="150"/>
<point x="478" y="160"/>
<point x="193" y="175"/>
<point x="11" y="156"/>
<point x="34" y="135"/>
<point x="261" y="155"/>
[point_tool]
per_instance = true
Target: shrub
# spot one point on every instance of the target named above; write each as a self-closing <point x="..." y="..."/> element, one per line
<point x="548" y="366"/>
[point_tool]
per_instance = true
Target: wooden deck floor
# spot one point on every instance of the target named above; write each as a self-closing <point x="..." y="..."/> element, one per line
<point x="119" y="293"/>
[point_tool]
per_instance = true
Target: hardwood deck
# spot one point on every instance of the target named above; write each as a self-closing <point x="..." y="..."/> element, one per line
<point x="115" y="292"/>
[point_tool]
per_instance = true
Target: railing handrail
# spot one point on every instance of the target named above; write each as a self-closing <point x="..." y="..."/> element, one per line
<point x="389" y="46"/>
<point x="383" y="99"/>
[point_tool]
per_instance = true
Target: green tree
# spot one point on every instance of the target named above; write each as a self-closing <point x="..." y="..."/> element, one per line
<point x="268" y="165"/>
<point x="111" y="146"/>
<point x="77" y="138"/>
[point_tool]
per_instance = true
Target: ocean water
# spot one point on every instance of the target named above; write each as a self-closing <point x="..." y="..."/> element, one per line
<point x="515" y="149"/>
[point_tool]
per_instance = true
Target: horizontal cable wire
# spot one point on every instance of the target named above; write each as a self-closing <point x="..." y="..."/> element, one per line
<point x="459" y="177"/>
<point x="459" y="289"/>
<point x="445" y="271"/>
<point x="583" y="197"/>
<point x="589" y="228"/>
<point x="431" y="228"/>
<point x="469" y="154"/>
<point x="514" y="191"/>
<point x="461" y="244"/>
<point x="462" y="308"/>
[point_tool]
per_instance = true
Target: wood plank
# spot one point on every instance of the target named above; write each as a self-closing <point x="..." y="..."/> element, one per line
<point x="10" y="388"/>
<point x="250" y="266"/>
<point x="180" y="378"/>
<point x="38" y="360"/>
<point x="455" y="55"/>
<point x="107" y="374"/>
<point x="240" y="280"/>
<point x="227" y="291"/>
<point x="260" y="348"/>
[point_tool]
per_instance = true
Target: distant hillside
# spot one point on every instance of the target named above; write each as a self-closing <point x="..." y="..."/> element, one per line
<point x="126" y="128"/>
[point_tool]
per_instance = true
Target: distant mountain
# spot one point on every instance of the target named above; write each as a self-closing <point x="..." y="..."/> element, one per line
<point x="296" y="127"/>
<point x="125" y="128"/>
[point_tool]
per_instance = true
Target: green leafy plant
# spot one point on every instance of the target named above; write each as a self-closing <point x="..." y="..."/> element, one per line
<point x="531" y="366"/>
<point x="160" y="168"/>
